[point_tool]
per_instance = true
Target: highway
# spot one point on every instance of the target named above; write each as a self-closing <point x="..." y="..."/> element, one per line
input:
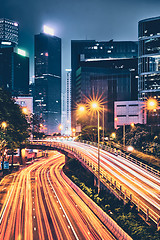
<point x="142" y="186"/>
<point x="41" y="205"/>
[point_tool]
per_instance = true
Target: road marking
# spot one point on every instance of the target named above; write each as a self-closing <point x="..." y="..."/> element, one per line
<point x="63" y="210"/>
<point x="6" y="206"/>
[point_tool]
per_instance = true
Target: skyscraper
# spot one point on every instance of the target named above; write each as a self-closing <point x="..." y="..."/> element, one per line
<point x="8" y="32"/>
<point x="14" y="70"/>
<point x="115" y="80"/>
<point x="83" y="51"/>
<point x="47" y="99"/>
<point x="149" y="58"/>
<point x="66" y="105"/>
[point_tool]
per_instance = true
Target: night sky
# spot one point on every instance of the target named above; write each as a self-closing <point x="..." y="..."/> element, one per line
<point x="78" y="19"/>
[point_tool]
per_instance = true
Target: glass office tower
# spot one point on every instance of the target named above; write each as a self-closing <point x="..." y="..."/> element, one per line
<point x="149" y="58"/>
<point x="47" y="98"/>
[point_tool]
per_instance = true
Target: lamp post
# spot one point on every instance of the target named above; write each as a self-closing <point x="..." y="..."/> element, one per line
<point x="103" y="124"/>
<point x="124" y="135"/>
<point x="152" y="106"/>
<point x="95" y="106"/>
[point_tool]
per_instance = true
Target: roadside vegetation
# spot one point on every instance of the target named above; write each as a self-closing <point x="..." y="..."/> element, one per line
<point x="14" y="128"/>
<point x="142" y="137"/>
<point x="125" y="215"/>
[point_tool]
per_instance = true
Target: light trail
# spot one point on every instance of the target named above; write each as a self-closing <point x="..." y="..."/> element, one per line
<point x="141" y="184"/>
<point x="42" y="206"/>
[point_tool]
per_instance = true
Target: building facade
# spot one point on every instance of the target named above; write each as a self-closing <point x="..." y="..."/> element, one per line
<point x="83" y="51"/>
<point x="25" y="102"/>
<point x="66" y="106"/>
<point x="14" y="70"/>
<point x="149" y="58"/>
<point x="8" y="32"/>
<point x="128" y="112"/>
<point x="47" y="93"/>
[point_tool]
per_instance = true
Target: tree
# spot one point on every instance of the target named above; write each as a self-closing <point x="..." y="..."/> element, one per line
<point x="90" y="133"/>
<point x="16" y="127"/>
<point x="37" y="124"/>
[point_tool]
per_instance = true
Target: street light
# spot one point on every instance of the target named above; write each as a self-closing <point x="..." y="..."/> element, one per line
<point x="60" y="127"/>
<point x="4" y="125"/>
<point x="95" y="106"/>
<point x="152" y="104"/>
<point x="103" y="124"/>
<point x="113" y="135"/>
<point x="25" y="110"/>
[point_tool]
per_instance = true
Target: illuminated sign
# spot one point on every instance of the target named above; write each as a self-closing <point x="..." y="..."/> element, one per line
<point x="16" y="24"/>
<point x="6" y="43"/>
<point x="48" y="30"/>
<point x="21" y="52"/>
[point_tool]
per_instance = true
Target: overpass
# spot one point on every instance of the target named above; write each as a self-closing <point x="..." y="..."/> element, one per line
<point x="107" y="178"/>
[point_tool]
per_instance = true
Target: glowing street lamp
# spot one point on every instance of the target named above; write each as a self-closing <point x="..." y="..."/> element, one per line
<point x="113" y="135"/>
<point x="81" y="108"/>
<point x="60" y="127"/>
<point x="4" y="125"/>
<point x="25" y="110"/>
<point x="74" y="130"/>
<point x="95" y="106"/>
<point x="152" y="104"/>
<point x="130" y="148"/>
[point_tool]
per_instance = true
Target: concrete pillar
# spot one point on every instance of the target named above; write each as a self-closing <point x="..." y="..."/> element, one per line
<point x="147" y="215"/>
<point x="158" y="224"/>
<point x="66" y="159"/>
<point x="22" y="156"/>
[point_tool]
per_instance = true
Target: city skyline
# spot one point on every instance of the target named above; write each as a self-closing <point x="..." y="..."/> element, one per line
<point x="105" y="15"/>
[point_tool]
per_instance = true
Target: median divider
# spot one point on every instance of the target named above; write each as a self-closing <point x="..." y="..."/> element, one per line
<point x="113" y="227"/>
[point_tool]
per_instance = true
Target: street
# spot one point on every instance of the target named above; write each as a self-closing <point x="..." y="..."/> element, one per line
<point x="41" y="205"/>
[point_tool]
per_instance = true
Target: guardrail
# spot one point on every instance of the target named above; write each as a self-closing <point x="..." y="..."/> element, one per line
<point x="114" y="228"/>
<point x="108" y="180"/>
<point x="127" y="156"/>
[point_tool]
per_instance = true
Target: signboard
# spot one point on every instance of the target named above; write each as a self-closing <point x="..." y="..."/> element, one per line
<point x="6" y="165"/>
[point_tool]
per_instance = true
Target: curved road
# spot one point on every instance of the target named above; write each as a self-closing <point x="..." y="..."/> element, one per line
<point x="140" y="183"/>
<point x="40" y="205"/>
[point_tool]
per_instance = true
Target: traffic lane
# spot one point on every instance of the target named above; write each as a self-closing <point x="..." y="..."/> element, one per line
<point x="93" y="229"/>
<point x="113" y="162"/>
<point x="152" y="202"/>
<point x="139" y="188"/>
<point x="53" y="210"/>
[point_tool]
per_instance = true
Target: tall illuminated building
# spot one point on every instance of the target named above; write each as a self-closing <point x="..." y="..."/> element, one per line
<point x="47" y="98"/>
<point x="149" y="58"/>
<point x="8" y="32"/>
<point x="105" y="66"/>
<point x="14" y="71"/>
<point x="66" y="105"/>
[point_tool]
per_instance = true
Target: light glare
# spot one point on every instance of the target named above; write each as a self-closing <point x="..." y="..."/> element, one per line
<point x="48" y="30"/>
<point x="21" y="52"/>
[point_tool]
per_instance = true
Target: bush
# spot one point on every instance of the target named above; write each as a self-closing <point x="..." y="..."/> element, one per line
<point x="125" y="215"/>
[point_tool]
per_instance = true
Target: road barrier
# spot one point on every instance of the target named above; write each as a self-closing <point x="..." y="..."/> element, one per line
<point x="113" y="227"/>
<point x="109" y="181"/>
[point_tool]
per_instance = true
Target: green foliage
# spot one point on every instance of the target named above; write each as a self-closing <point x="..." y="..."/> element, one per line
<point x="17" y="127"/>
<point x="90" y="133"/>
<point x="37" y="126"/>
<point x="142" y="137"/>
<point x="125" y="215"/>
